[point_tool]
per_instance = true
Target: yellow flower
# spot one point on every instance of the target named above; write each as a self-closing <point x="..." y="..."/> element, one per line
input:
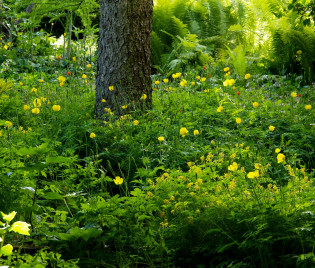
<point x="118" y="180"/>
<point x="220" y="109"/>
<point x="233" y="167"/>
<point x="226" y="69"/>
<point x="41" y="81"/>
<point x="198" y="77"/>
<point x="203" y="79"/>
<point x="37" y="102"/>
<point x="189" y="185"/>
<point x="26" y="107"/>
<point x="247" y="76"/>
<point x="21" y="227"/>
<point x="165" y="80"/>
<point x="111" y="88"/>
<point x="35" y="110"/>
<point x="258" y="166"/>
<point x="144" y="97"/>
<point x="124" y="106"/>
<point x="136" y="122"/>
<point x="183" y="83"/>
<point x="280" y="158"/>
<point x="6" y="251"/>
<point x="6" y="47"/>
<point x="161" y="138"/>
<point x="92" y="135"/>
<point x="193" y="83"/>
<point x="21" y="128"/>
<point x="89" y="65"/>
<point x="252" y="175"/>
<point x="308" y="107"/>
<point x="213" y="142"/>
<point x="278" y="150"/>
<point x="61" y="79"/>
<point x="293" y="94"/>
<point x="84" y="76"/>
<point x="299" y="52"/>
<point x="103" y="100"/>
<point x="29" y="129"/>
<point x="157" y="82"/>
<point x="272" y="128"/>
<point x="8" y="124"/>
<point x="34" y="90"/>
<point x="255" y="104"/>
<point x="229" y="82"/>
<point x="56" y="108"/>
<point x="183" y="131"/>
<point x="196" y="132"/>
<point x="74" y="59"/>
<point x="238" y="120"/>
<point x="8" y="217"/>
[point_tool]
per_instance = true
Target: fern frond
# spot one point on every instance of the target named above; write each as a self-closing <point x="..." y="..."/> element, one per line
<point x="178" y="27"/>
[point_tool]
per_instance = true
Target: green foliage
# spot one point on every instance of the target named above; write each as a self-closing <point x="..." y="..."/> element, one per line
<point x="223" y="193"/>
<point x="238" y="59"/>
<point x="172" y="24"/>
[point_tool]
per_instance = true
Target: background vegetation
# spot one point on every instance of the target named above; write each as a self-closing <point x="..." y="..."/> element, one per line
<point x="220" y="173"/>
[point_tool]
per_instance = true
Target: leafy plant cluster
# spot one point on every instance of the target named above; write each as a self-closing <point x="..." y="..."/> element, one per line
<point x="255" y="36"/>
<point x="219" y="172"/>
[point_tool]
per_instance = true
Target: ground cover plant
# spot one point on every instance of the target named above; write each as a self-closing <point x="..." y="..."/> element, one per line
<point x="219" y="173"/>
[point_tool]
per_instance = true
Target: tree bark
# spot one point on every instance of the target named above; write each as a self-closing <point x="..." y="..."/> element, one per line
<point x="124" y="52"/>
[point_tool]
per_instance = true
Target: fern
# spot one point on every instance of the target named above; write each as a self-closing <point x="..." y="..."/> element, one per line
<point x="287" y="38"/>
<point x="5" y="86"/>
<point x="157" y="48"/>
<point x="238" y="58"/>
<point x="178" y="27"/>
<point x="176" y="22"/>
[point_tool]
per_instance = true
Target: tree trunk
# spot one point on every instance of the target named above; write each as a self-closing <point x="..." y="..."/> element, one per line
<point x="124" y="51"/>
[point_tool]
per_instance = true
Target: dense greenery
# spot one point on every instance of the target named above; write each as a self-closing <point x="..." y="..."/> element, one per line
<point x="220" y="173"/>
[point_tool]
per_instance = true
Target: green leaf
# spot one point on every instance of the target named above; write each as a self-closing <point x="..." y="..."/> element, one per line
<point x="77" y="233"/>
<point x="57" y="159"/>
<point x="143" y="217"/>
<point x="225" y="247"/>
<point x="53" y="196"/>
<point x="42" y="149"/>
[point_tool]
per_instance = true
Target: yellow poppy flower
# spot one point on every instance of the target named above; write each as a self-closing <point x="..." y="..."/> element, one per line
<point x="118" y="180"/>
<point x="56" y="108"/>
<point x="183" y="131"/>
